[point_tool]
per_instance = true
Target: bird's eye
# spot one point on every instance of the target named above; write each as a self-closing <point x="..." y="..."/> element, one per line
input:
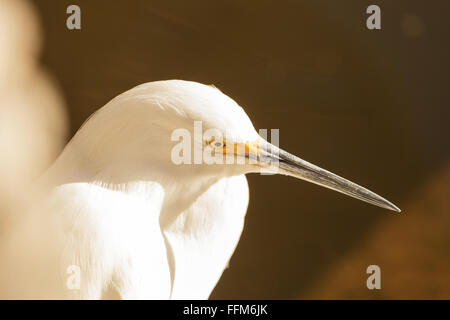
<point x="217" y="144"/>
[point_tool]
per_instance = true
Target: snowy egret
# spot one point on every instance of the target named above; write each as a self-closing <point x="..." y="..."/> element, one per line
<point x="147" y="227"/>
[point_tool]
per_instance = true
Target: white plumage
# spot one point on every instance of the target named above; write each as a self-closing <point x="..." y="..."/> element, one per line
<point x="137" y="223"/>
<point x="133" y="219"/>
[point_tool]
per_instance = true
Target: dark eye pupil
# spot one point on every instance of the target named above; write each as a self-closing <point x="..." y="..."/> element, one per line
<point x="218" y="144"/>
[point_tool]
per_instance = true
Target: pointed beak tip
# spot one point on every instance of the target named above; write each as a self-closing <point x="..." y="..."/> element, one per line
<point x="395" y="208"/>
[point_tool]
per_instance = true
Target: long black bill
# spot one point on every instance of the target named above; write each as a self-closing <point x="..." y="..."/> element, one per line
<point x="283" y="162"/>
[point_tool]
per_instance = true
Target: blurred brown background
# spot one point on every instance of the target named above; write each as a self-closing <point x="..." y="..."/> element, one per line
<point x="372" y="106"/>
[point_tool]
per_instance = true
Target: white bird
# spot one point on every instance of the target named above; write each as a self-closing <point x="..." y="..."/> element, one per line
<point x="140" y="224"/>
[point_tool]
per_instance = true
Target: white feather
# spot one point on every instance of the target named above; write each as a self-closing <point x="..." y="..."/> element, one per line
<point x="134" y="220"/>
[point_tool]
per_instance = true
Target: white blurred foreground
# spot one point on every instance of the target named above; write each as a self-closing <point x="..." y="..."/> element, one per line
<point x="32" y="132"/>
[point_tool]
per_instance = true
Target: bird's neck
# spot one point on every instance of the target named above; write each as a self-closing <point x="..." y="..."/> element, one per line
<point x="180" y="196"/>
<point x="180" y="189"/>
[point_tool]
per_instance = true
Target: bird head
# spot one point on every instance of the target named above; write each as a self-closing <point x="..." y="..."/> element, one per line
<point x="186" y="129"/>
